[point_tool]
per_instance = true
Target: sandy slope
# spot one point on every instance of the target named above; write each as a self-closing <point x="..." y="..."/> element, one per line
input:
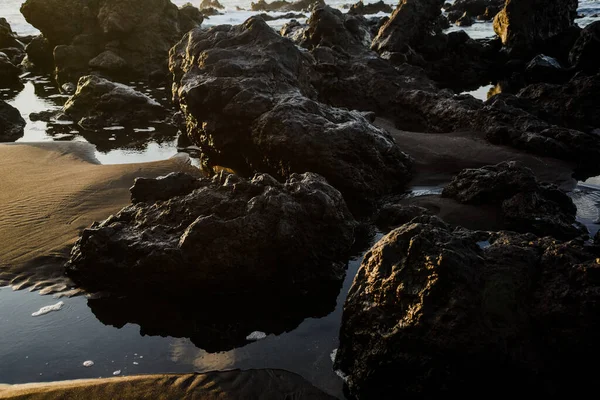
<point x="49" y="192"/>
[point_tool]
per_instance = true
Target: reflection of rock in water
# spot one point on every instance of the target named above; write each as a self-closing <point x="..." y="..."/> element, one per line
<point x="216" y="323"/>
<point x="129" y="139"/>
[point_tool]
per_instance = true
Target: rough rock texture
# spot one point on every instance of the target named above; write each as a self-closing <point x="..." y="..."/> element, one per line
<point x="40" y="54"/>
<point x="393" y="215"/>
<point x="411" y="21"/>
<point x="285" y="6"/>
<point x="482" y="9"/>
<point x="575" y="105"/>
<point x="9" y="73"/>
<point x="141" y="33"/>
<point x="228" y="235"/>
<point x="99" y="103"/>
<point x="526" y="205"/>
<point x="546" y="69"/>
<point x="361" y="8"/>
<point x="7" y="37"/>
<point x="524" y="26"/>
<point x="211" y="4"/>
<point x="264" y="116"/>
<point x="11" y="123"/>
<point x="268" y="17"/>
<point x="584" y="54"/>
<point x="437" y="312"/>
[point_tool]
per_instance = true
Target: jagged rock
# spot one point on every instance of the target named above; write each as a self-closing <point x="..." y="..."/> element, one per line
<point x="573" y="105"/>
<point x="40" y="54"/>
<point x="141" y="33"/>
<point x="211" y="4"/>
<point x="163" y="188"/>
<point x="584" y="54"/>
<point x="361" y="8"/>
<point x="438" y="312"/>
<point x="228" y="235"/>
<point x="465" y="20"/>
<point x="545" y="69"/>
<point x="7" y="37"/>
<point x="9" y="73"/>
<point x="475" y="8"/>
<point x="99" y="103"/>
<point x="411" y="20"/>
<point x="190" y="17"/>
<point x="108" y="62"/>
<point x="285" y="6"/>
<point x="393" y="215"/>
<point x="293" y="30"/>
<point x="268" y="17"/>
<point x="12" y="125"/>
<point x="265" y="117"/>
<point x="525" y="26"/>
<point x="525" y="205"/>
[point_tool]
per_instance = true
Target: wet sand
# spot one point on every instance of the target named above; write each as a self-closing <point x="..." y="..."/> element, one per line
<point x="49" y="192"/>
<point x="265" y="384"/>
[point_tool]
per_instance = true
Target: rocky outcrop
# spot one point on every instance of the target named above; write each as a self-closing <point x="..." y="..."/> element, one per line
<point x="211" y="4"/>
<point x="7" y="37"/>
<point x="409" y="23"/>
<point x="229" y="234"/>
<point x="480" y="9"/>
<point x="525" y="205"/>
<point x="573" y="105"/>
<point x="40" y="54"/>
<point x="440" y="312"/>
<point x="268" y="17"/>
<point x="584" y="54"/>
<point x="266" y="117"/>
<point x="9" y="73"/>
<point x="100" y="103"/>
<point x="140" y="34"/>
<point x="285" y="6"/>
<point x="361" y="8"/>
<point x="393" y="215"/>
<point x="525" y="26"/>
<point x="546" y="69"/>
<point x="12" y="125"/>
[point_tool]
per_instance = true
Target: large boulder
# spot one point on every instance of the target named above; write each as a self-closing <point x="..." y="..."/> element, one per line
<point x="40" y="54"/>
<point x="140" y="33"/>
<point x="226" y="234"/>
<point x="250" y="104"/>
<point x="100" y="103"/>
<point x="439" y="312"/>
<point x="584" y="54"/>
<point x="12" y="125"/>
<point x="524" y="25"/>
<point x="7" y="37"/>
<point x="361" y="8"/>
<point x="409" y="23"/>
<point x="9" y="73"/>
<point x="525" y="205"/>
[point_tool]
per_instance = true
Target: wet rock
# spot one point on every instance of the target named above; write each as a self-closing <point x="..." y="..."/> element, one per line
<point x="293" y="30"/>
<point x="524" y="26"/>
<point x="9" y="73"/>
<point x="573" y="105"/>
<point x="393" y="215"/>
<point x="285" y="6"/>
<point x="526" y="205"/>
<point x="361" y="8"/>
<point x="268" y="17"/>
<point x="459" y="312"/>
<point x="546" y="69"/>
<point x="465" y="20"/>
<point x="476" y="7"/>
<point x="100" y="103"/>
<point x="266" y="117"/>
<point x="584" y="54"/>
<point x="78" y="30"/>
<point x="11" y="123"/>
<point x="211" y="4"/>
<point x="411" y="21"/>
<point x="40" y="54"/>
<point x="228" y="235"/>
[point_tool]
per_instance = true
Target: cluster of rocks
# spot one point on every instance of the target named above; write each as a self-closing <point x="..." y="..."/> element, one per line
<point x="11" y="54"/>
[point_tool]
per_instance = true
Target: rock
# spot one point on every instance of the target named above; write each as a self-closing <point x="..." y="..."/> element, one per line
<point x="230" y="234"/>
<point x="139" y="33"/>
<point x="411" y="20"/>
<point x="211" y="4"/>
<point x="476" y="7"/>
<point x="265" y="116"/>
<point x="292" y="16"/>
<point x="14" y="54"/>
<point x="465" y="20"/>
<point x="361" y="8"/>
<point x="164" y="187"/>
<point x="584" y="54"/>
<point x="394" y="215"/>
<point x="459" y="312"/>
<point x="209" y="12"/>
<point x="285" y="6"/>
<point x="108" y="62"/>
<point x="293" y="30"/>
<point x="597" y="238"/>
<point x="573" y="105"/>
<point x="9" y="73"/>
<point x="100" y="103"/>
<point x="525" y="26"/>
<point x="545" y="69"/>
<point x="190" y="17"/>
<point x="68" y="88"/>
<point x="12" y="125"/>
<point x="526" y="205"/>
<point x="7" y="37"/>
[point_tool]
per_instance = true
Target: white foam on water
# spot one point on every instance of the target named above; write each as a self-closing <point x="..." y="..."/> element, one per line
<point x="117" y="372"/>
<point x="88" y="363"/>
<point x="148" y="129"/>
<point x="48" y="309"/>
<point x="256" y="335"/>
<point x="136" y="363"/>
<point x="333" y="354"/>
<point x="113" y="128"/>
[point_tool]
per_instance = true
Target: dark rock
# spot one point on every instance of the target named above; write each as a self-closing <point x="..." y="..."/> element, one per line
<point x="475" y="7"/>
<point x="14" y="54"/>
<point x="453" y="16"/>
<point x="524" y="26"/>
<point x="100" y="103"/>
<point x="411" y="20"/>
<point x="141" y="33"/>
<point x="584" y="54"/>
<point x="9" y="73"/>
<point x="393" y="215"/>
<point x="108" y="62"/>
<point x="265" y="117"/>
<point x="465" y="20"/>
<point x="40" y="54"/>
<point x="573" y="105"/>
<point x="490" y="12"/>
<point x="210" y="12"/>
<point x="211" y="4"/>
<point x="293" y="30"/>
<point x="11" y="123"/>
<point x="526" y="205"/>
<point x="190" y="17"/>
<point x="285" y="6"/>
<point x="68" y="88"/>
<point x="546" y="69"/>
<point x="361" y="8"/>
<point x="147" y="190"/>
<point x="597" y="238"/>
<point x="268" y="17"/>
<point x="7" y="37"/>
<point x="228" y="235"/>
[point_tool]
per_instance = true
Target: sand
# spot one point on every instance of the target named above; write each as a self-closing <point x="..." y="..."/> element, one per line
<point x="50" y="192"/>
<point x="265" y="384"/>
